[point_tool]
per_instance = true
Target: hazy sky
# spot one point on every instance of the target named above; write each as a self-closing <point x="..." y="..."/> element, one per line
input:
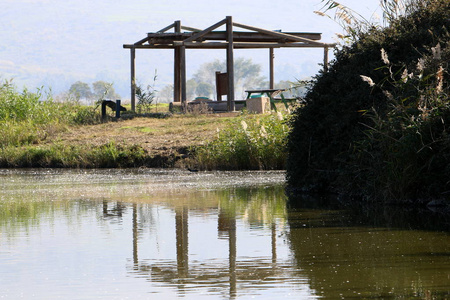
<point x="55" y="43"/>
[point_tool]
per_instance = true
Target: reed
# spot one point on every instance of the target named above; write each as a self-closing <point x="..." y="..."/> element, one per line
<point x="30" y="117"/>
<point x="250" y="142"/>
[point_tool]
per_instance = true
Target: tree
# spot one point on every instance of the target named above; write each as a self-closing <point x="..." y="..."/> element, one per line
<point x="191" y="87"/>
<point x="166" y="93"/>
<point x="246" y="74"/>
<point x="204" y="89"/>
<point x="104" y="90"/>
<point x="80" y="90"/>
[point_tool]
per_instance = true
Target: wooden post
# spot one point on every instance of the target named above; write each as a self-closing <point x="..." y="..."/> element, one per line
<point x="272" y="76"/>
<point x="177" y="70"/>
<point x="176" y="76"/>
<point x="183" y="74"/>
<point x="133" y="78"/>
<point x="325" y="59"/>
<point x="103" y="109"/>
<point x="230" y="64"/>
<point x="118" y="109"/>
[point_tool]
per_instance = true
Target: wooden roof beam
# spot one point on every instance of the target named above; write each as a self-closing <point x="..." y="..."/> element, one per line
<point x="223" y="45"/>
<point x="141" y="41"/>
<point x="206" y="31"/>
<point x="277" y="34"/>
<point x="168" y="27"/>
<point x="190" y="28"/>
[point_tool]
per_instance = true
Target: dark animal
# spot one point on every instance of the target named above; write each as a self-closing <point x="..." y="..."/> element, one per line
<point x="112" y="105"/>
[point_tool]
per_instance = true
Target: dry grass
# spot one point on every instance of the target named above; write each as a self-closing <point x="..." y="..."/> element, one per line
<point x="158" y="136"/>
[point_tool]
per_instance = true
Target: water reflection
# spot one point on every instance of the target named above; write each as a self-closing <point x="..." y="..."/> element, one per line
<point x="371" y="252"/>
<point x="219" y="274"/>
<point x="126" y="234"/>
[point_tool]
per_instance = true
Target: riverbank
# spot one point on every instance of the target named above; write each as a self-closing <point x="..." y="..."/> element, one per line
<point x="38" y="131"/>
<point x="137" y="142"/>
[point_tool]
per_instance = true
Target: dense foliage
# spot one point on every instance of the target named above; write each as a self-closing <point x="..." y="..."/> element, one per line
<point x="251" y="142"/>
<point x="28" y="117"/>
<point x="377" y="124"/>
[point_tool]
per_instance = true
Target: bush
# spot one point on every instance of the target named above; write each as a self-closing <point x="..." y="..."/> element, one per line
<point x="368" y="135"/>
<point x="250" y="142"/>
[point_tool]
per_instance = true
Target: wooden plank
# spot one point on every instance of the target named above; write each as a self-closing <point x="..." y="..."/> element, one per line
<point x="221" y="85"/>
<point x="242" y="36"/>
<point x="238" y="36"/>
<point x="277" y="34"/>
<point x="224" y="45"/>
<point x="230" y="64"/>
<point x="207" y="30"/>
<point x="190" y="29"/>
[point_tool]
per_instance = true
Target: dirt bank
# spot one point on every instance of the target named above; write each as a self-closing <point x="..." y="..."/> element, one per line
<point x="166" y="140"/>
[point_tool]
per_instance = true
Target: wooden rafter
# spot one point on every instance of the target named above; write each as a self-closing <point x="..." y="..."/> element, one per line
<point x="167" y="28"/>
<point x="190" y="29"/>
<point x="200" y="34"/>
<point x="288" y="37"/>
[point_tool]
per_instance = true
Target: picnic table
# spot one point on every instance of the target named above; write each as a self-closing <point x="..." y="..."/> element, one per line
<point x="271" y="93"/>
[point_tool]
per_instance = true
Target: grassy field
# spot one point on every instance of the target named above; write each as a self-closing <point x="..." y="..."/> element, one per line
<point x="38" y="132"/>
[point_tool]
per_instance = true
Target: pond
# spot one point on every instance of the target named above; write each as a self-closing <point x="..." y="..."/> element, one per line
<point x="168" y="234"/>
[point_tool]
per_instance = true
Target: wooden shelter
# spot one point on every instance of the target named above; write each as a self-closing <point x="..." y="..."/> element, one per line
<point x="210" y="38"/>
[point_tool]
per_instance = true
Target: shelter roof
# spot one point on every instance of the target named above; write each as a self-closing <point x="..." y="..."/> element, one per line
<point x="210" y="38"/>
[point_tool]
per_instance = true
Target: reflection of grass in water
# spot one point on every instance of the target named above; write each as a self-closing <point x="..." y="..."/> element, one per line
<point x="24" y="212"/>
<point x="258" y="205"/>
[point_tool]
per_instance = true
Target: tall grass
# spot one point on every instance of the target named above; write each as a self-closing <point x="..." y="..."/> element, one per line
<point x="250" y="142"/>
<point x="29" y="117"/>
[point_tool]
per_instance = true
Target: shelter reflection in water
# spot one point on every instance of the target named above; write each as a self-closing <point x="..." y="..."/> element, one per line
<point x="217" y="272"/>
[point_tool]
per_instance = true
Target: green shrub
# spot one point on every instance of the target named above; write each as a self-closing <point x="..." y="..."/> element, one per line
<point x="85" y="115"/>
<point x="250" y="142"/>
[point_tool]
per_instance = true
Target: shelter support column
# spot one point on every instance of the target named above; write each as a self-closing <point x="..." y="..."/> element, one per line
<point x="133" y="78"/>
<point x="177" y="77"/>
<point x="183" y="73"/>
<point x="325" y="59"/>
<point x="230" y="64"/>
<point x="177" y="68"/>
<point x="179" y="84"/>
<point x="272" y="76"/>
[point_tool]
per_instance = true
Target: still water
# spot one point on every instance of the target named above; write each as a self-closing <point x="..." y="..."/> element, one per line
<point x="173" y="234"/>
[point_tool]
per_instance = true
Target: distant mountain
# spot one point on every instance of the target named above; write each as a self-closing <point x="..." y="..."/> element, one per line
<point x="55" y="43"/>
